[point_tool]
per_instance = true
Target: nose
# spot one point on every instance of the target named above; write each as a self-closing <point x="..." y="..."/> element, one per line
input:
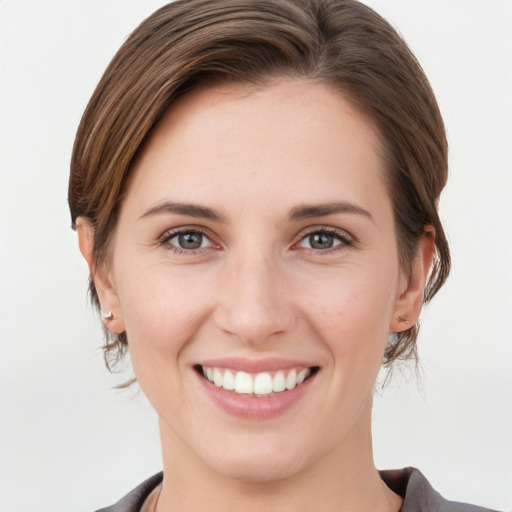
<point x="253" y="302"/>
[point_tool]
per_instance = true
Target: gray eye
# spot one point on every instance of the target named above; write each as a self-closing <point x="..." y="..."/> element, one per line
<point x="186" y="241"/>
<point x="321" y="241"/>
<point x="324" y="240"/>
<point x="190" y="240"/>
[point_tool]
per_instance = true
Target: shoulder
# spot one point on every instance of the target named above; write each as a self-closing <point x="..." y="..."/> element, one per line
<point x="419" y="495"/>
<point x="133" y="501"/>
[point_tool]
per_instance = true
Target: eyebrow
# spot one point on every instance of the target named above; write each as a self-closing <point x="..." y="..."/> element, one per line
<point x="299" y="213"/>
<point x="320" y="210"/>
<point x="188" y="209"/>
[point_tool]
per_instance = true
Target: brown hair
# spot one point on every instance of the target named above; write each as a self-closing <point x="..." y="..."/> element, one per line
<point x="341" y="43"/>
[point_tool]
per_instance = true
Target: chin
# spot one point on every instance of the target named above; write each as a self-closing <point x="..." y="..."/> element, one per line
<point x="257" y="466"/>
<point x="265" y="472"/>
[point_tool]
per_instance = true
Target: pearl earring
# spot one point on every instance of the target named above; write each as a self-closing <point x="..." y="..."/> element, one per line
<point x="108" y="315"/>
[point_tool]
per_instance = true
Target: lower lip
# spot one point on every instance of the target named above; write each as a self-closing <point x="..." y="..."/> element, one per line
<point x="253" y="407"/>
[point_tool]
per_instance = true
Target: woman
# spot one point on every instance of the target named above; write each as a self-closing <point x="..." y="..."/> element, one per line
<point x="254" y="187"/>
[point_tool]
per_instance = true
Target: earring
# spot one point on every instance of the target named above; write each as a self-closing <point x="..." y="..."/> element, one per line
<point x="403" y="319"/>
<point x="108" y="315"/>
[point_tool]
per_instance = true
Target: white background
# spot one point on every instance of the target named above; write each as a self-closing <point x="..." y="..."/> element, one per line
<point x="69" y="441"/>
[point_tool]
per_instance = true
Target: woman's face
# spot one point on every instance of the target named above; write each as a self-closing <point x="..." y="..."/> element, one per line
<point x="256" y="241"/>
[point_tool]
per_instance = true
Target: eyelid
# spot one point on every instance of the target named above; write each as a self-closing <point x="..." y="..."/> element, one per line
<point x="343" y="236"/>
<point x="171" y="233"/>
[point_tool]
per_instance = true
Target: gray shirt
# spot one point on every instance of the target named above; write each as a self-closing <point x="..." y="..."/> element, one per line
<point x="418" y="494"/>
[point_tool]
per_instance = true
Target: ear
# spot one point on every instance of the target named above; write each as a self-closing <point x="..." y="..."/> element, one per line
<point x="408" y="305"/>
<point x="109" y="301"/>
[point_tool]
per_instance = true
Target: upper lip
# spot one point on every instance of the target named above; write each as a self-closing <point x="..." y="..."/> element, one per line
<point x="255" y="365"/>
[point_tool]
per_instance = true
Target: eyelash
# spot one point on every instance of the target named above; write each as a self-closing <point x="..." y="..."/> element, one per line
<point x="166" y="238"/>
<point x="341" y="236"/>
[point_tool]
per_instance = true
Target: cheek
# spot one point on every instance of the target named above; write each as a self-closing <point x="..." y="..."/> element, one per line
<point x="163" y="313"/>
<point x="351" y="315"/>
<point x="352" y="304"/>
<point x="162" y="310"/>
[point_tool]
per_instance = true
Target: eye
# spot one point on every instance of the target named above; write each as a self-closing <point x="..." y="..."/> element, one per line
<point x="325" y="239"/>
<point x="186" y="240"/>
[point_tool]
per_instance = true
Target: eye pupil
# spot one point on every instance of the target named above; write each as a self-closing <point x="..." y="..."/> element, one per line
<point x="321" y="241"/>
<point x="190" y="240"/>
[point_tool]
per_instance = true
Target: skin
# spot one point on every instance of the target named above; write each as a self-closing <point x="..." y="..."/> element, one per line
<point x="258" y="288"/>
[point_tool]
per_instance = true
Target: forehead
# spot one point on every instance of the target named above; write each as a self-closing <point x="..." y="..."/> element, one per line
<point x="298" y="136"/>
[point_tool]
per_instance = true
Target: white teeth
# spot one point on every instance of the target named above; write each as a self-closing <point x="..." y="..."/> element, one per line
<point x="244" y="383"/>
<point x="229" y="381"/>
<point x="261" y="384"/>
<point x="291" y="380"/>
<point x="279" y="382"/>
<point x="302" y="375"/>
<point x="217" y="377"/>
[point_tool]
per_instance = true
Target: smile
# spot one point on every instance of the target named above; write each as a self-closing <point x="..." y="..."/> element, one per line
<point x="261" y="384"/>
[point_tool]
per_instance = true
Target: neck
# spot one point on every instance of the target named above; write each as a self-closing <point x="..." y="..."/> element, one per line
<point x="345" y="479"/>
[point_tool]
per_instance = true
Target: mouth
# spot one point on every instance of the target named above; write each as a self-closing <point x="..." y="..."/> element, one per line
<point x="258" y="385"/>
